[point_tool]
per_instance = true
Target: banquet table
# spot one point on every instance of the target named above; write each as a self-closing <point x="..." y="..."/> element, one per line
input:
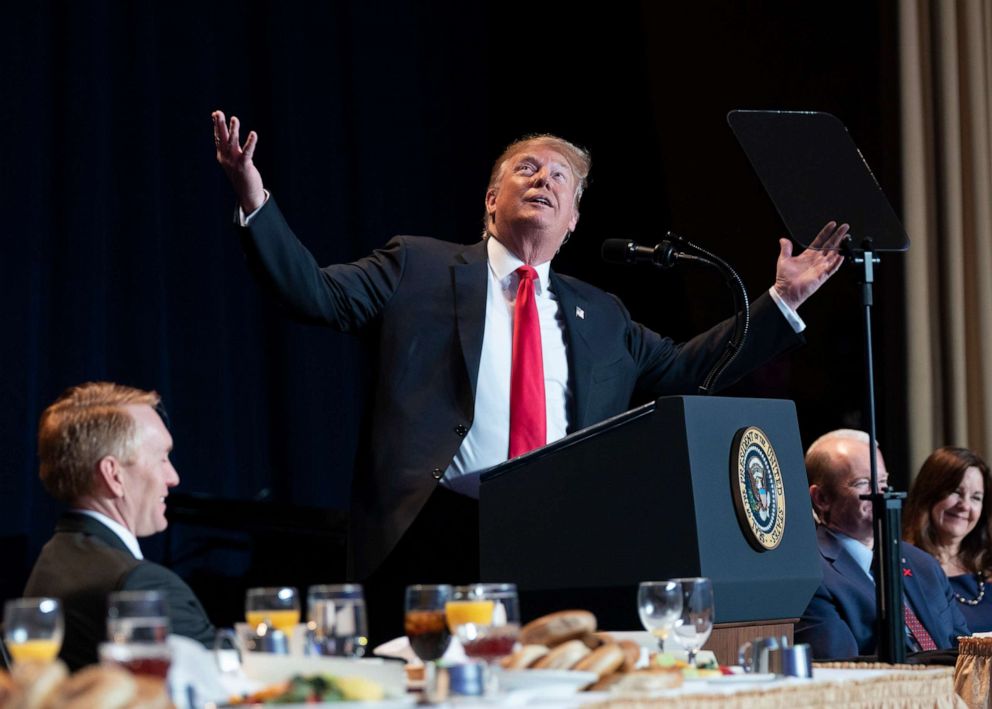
<point x="897" y="687"/>
<point x="906" y="686"/>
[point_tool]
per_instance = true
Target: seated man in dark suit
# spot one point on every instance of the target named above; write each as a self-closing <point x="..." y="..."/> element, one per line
<point x="840" y="619"/>
<point x="104" y="451"/>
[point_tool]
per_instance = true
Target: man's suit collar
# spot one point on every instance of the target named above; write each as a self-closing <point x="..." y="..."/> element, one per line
<point x="834" y="552"/>
<point x="74" y="523"/>
<point x="473" y="253"/>
<point x="470" y="287"/>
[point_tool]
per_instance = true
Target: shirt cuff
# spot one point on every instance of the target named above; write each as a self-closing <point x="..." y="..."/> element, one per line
<point x="788" y="313"/>
<point x="245" y="220"/>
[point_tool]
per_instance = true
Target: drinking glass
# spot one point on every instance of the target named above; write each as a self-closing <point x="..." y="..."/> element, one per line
<point x="336" y="618"/>
<point x="138" y="629"/>
<point x="150" y="659"/>
<point x="695" y="622"/>
<point x="137" y="617"/>
<point x="485" y="617"/>
<point x="32" y="629"/>
<point x="426" y="628"/>
<point x="276" y="607"/>
<point x="659" y="603"/>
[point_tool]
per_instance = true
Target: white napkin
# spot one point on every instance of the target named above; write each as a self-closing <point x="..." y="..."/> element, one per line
<point x="194" y="678"/>
<point x="400" y="648"/>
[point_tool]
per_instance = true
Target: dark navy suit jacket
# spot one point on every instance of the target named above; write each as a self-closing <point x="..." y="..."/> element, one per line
<point x="427" y="299"/>
<point x="839" y="622"/>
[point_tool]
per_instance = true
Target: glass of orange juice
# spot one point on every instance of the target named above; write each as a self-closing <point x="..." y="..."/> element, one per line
<point x="485" y="617"/>
<point x="32" y="629"/>
<point x="277" y="607"/>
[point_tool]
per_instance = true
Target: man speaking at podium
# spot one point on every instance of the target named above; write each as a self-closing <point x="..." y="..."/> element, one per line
<point x="484" y="352"/>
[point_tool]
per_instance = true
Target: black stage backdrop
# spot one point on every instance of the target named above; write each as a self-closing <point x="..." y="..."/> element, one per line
<point x="377" y="118"/>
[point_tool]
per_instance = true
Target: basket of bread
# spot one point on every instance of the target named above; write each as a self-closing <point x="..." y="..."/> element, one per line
<point x="568" y="640"/>
<point x="32" y="685"/>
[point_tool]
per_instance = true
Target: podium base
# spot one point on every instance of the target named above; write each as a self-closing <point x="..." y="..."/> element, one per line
<point x="728" y="637"/>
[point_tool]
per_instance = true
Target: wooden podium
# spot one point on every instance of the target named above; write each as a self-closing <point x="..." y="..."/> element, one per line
<point x="649" y="495"/>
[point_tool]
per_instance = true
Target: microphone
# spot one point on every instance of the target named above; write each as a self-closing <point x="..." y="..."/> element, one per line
<point x="664" y="254"/>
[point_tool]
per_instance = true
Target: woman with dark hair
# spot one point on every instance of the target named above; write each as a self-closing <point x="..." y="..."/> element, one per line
<point x="946" y="516"/>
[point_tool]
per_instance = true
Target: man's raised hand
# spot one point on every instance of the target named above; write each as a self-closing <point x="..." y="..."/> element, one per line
<point x="799" y="277"/>
<point x="237" y="163"/>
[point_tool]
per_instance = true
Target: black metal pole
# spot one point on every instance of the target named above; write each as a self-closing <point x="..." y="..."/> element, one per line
<point x="886" y="506"/>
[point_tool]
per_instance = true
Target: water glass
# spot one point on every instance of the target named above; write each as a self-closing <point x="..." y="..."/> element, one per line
<point x="336" y="621"/>
<point x="695" y="622"/>
<point x="659" y="604"/>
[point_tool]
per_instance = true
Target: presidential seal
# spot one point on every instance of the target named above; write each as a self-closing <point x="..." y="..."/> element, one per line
<point x="757" y="488"/>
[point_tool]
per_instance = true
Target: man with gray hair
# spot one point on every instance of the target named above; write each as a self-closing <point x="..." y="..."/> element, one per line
<point x="839" y="622"/>
<point x="104" y="452"/>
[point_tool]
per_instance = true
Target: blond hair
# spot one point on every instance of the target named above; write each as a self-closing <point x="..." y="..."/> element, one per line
<point x="578" y="158"/>
<point x="85" y="424"/>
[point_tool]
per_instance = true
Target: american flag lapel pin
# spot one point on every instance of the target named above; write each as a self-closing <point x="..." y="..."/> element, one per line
<point x="580" y="313"/>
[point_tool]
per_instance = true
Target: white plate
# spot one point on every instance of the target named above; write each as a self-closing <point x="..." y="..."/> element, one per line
<point x="555" y="681"/>
<point x="268" y="668"/>
<point x="384" y="704"/>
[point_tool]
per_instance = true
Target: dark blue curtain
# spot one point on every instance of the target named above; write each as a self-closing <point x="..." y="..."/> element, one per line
<point x="119" y="262"/>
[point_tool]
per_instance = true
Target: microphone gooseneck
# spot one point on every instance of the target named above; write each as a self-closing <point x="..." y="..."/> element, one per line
<point x="676" y="248"/>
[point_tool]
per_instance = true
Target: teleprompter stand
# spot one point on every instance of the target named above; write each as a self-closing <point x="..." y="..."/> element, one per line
<point x="814" y="173"/>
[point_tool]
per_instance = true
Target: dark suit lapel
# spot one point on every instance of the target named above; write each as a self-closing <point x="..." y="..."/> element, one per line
<point x="471" y="287"/>
<point x="574" y="312"/>
<point x="74" y="523"/>
<point x="843" y="563"/>
<point x="917" y="599"/>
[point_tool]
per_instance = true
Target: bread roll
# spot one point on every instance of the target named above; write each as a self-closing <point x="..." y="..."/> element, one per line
<point x="605" y="683"/>
<point x="7" y="687"/>
<point x="36" y="683"/>
<point x="96" y="687"/>
<point x="524" y="657"/>
<point x="652" y="680"/>
<point x="603" y="661"/>
<point x="151" y="694"/>
<point x="557" y="628"/>
<point x="595" y="640"/>
<point x="632" y="655"/>
<point x="563" y="657"/>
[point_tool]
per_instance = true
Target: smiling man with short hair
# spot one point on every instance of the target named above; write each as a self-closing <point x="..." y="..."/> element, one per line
<point x="104" y="452"/>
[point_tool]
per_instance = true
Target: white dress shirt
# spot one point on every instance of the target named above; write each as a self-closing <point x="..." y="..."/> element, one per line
<point x="120" y="530"/>
<point x="488" y="440"/>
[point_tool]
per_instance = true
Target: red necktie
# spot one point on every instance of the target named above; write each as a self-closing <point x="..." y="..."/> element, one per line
<point x="528" y="421"/>
<point x="923" y="638"/>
